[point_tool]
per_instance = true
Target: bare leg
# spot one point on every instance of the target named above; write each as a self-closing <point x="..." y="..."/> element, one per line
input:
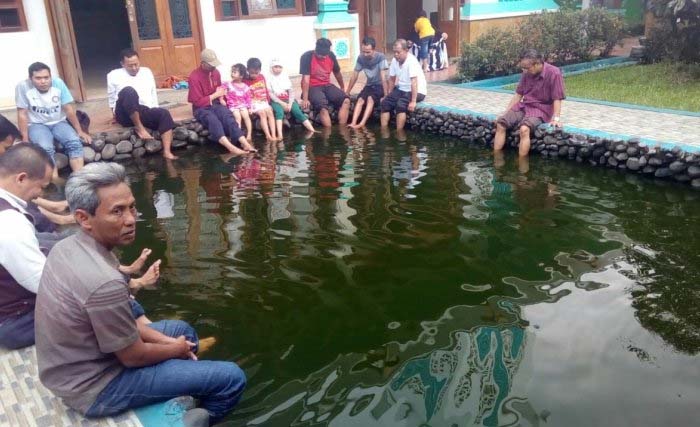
<point x="262" y="115"/>
<point x="524" y="146"/>
<point x="368" y="111"/>
<point x="245" y="144"/>
<point x="500" y="139"/>
<point x="308" y="126"/>
<point x="344" y="112"/>
<point x="138" y="126"/>
<point x="230" y="147"/>
<point x="279" y="125"/>
<point x="271" y="124"/>
<point x="384" y="118"/>
<point x="76" y="163"/>
<point x="325" y="118"/>
<point x="498" y="159"/>
<point x="237" y="116"/>
<point x="248" y="124"/>
<point x="357" y="111"/>
<point x="167" y="139"/>
<point x="400" y="121"/>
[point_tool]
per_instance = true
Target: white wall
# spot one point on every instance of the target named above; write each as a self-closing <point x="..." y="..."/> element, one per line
<point x="285" y="38"/>
<point x="22" y="48"/>
<point x="430" y="6"/>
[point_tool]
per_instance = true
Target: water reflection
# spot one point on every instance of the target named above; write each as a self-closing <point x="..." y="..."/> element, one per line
<point x="367" y="279"/>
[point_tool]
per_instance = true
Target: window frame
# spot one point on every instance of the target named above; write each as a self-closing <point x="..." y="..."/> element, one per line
<point x="297" y="11"/>
<point x="19" y="6"/>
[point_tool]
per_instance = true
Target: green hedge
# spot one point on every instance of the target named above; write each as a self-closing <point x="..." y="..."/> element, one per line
<point x="563" y="37"/>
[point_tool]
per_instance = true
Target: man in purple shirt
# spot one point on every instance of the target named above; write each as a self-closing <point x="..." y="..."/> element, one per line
<point x="537" y="100"/>
<point x="205" y="93"/>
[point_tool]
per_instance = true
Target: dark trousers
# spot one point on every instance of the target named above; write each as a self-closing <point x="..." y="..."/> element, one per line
<point x="219" y="122"/>
<point x="153" y="118"/>
<point x="17" y="332"/>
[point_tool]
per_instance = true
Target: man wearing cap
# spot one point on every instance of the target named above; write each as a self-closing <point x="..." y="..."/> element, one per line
<point x="316" y="87"/>
<point x="205" y="94"/>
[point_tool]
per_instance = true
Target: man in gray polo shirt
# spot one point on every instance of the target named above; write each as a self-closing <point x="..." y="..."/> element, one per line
<point x="91" y="351"/>
<point x="374" y="65"/>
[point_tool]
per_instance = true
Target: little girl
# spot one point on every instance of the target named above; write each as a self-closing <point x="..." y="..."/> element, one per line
<point x="260" y="102"/>
<point x="280" y="88"/>
<point x="239" y="98"/>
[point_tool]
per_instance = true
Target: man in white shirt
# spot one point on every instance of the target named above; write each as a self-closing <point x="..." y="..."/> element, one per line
<point x="407" y="85"/>
<point x="132" y="95"/>
<point x="25" y="169"/>
<point x="44" y="109"/>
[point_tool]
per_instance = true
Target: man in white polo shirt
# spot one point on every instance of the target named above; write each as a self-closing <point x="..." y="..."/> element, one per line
<point x="407" y="85"/>
<point x="132" y="96"/>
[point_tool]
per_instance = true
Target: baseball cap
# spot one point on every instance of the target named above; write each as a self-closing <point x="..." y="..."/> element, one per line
<point x="209" y="56"/>
<point x="323" y="46"/>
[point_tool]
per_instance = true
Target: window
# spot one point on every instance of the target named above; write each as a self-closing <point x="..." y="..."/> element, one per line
<point x="227" y="10"/>
<point x="310" y="7"/>
<point x="12" y="16"/>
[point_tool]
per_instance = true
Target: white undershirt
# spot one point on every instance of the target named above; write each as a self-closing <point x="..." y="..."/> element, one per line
<point x="19" y="247"/>
<point x="143" y="83"/>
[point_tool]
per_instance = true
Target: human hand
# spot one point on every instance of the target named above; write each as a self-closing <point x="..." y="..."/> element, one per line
<point x="219" y="93"/>
<point x="304" y="104"/>
<point x="556" y="122"/>
<point x="412" y="106"/>
<point x="288" y="107"/>
<point x="87" y="139"/>
<point x="184" y="348"/>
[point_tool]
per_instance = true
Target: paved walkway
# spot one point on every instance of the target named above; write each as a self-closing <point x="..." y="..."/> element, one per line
<point x="650" y="125"/>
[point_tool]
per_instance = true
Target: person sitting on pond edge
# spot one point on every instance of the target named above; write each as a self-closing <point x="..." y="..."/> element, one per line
<point x="407" y="86"/>
<point x="537" y="100"/>
<point x="206" y="93"/>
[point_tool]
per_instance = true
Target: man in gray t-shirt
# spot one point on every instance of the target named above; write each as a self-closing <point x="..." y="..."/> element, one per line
<point x="91" y="351"/>
<point x="374" y="65"/>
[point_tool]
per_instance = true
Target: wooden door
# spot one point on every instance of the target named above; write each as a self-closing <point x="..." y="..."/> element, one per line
<point x="66" y="48"/>
<point x="449" y="22"/>
<point x="165" y="33"/>
<point x="374" y="16"/>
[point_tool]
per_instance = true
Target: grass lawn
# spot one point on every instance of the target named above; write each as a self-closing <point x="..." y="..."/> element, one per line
<point x="664" y="85"/>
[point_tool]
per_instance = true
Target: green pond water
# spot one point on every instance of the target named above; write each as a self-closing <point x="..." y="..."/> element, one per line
<point x="364" y="281"/>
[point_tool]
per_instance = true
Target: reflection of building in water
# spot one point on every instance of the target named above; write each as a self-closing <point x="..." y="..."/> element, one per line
<point x="407" y="172"/>
<point x="480" y="182"/>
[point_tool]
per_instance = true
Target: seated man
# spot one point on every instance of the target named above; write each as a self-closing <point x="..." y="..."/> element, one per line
<point x="317" y="90"/>
<point x="91" y="352"/>
<point x="25" y="170"/>
<point x="44" y="108"/>
<point x="407" y="85"/>
<point x="205" y="94"/>
<point x="374" y="65"/>
<point x="132" y="96"/>
<point x="537" y="100"/>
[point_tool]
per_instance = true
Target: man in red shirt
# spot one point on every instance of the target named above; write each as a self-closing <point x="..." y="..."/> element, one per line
<point x="316" y="87"/>
<point x="537" y="100"/>
<point x="205" y="94"/>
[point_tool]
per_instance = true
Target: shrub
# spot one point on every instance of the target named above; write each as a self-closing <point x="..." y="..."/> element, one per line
<point x="676" y="35"/>
<point x="563" y="37"/>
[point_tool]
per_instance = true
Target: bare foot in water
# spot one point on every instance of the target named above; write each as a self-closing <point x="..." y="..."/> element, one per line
<point x="206" y="344"/>
<point x="169" y="156"/>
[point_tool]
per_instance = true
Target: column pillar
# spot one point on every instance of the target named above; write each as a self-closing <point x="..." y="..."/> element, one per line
<point x="341" y="28"/>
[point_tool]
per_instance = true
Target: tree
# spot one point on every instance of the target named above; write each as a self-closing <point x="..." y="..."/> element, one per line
<point x="677" y="31"/>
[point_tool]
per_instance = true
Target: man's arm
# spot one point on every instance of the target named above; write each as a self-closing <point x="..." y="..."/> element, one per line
<point x="51" y="205"/>
<point x="556" y="113"/>
<point x="58" y="219"/>
<point x="390" y="84"/>
<point x="141" y="353"/>
<point x="414" y="94"/>
<point x="339" y="77"/>
<point x="73" y="119"/>
<point x="23" y="123"/>
<point x="154" y="90"/>
<point x="385" y="83"/>
<point x="514" y="100"/>
<point x="305" y="90"/>
<point x="353" y="80"/>
<point x="111" y="92"/>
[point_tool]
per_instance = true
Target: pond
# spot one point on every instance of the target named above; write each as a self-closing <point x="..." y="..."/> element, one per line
<point x="360" y="280"/>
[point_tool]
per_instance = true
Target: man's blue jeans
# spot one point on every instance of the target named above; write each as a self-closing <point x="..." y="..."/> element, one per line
<point x="218" y="385"/>
<point x="17" y="332"/>
<point x="63" y="132"/>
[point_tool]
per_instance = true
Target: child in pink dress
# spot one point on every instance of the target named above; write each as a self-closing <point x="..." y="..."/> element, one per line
<point x="261" y="99"/>
<point x="239" y="98"/>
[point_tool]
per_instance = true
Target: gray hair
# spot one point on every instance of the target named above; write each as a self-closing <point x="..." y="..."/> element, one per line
<point x="402" y="43"/>
<point x="82" y="186"/>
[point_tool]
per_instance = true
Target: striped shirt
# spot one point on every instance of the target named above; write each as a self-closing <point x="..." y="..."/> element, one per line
<point x="539" y="92"/>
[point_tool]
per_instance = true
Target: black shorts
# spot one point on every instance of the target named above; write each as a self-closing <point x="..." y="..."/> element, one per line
<point x="323" y="96"/>
<point x="375" y="91"/>
<point x="398" y="100"/>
